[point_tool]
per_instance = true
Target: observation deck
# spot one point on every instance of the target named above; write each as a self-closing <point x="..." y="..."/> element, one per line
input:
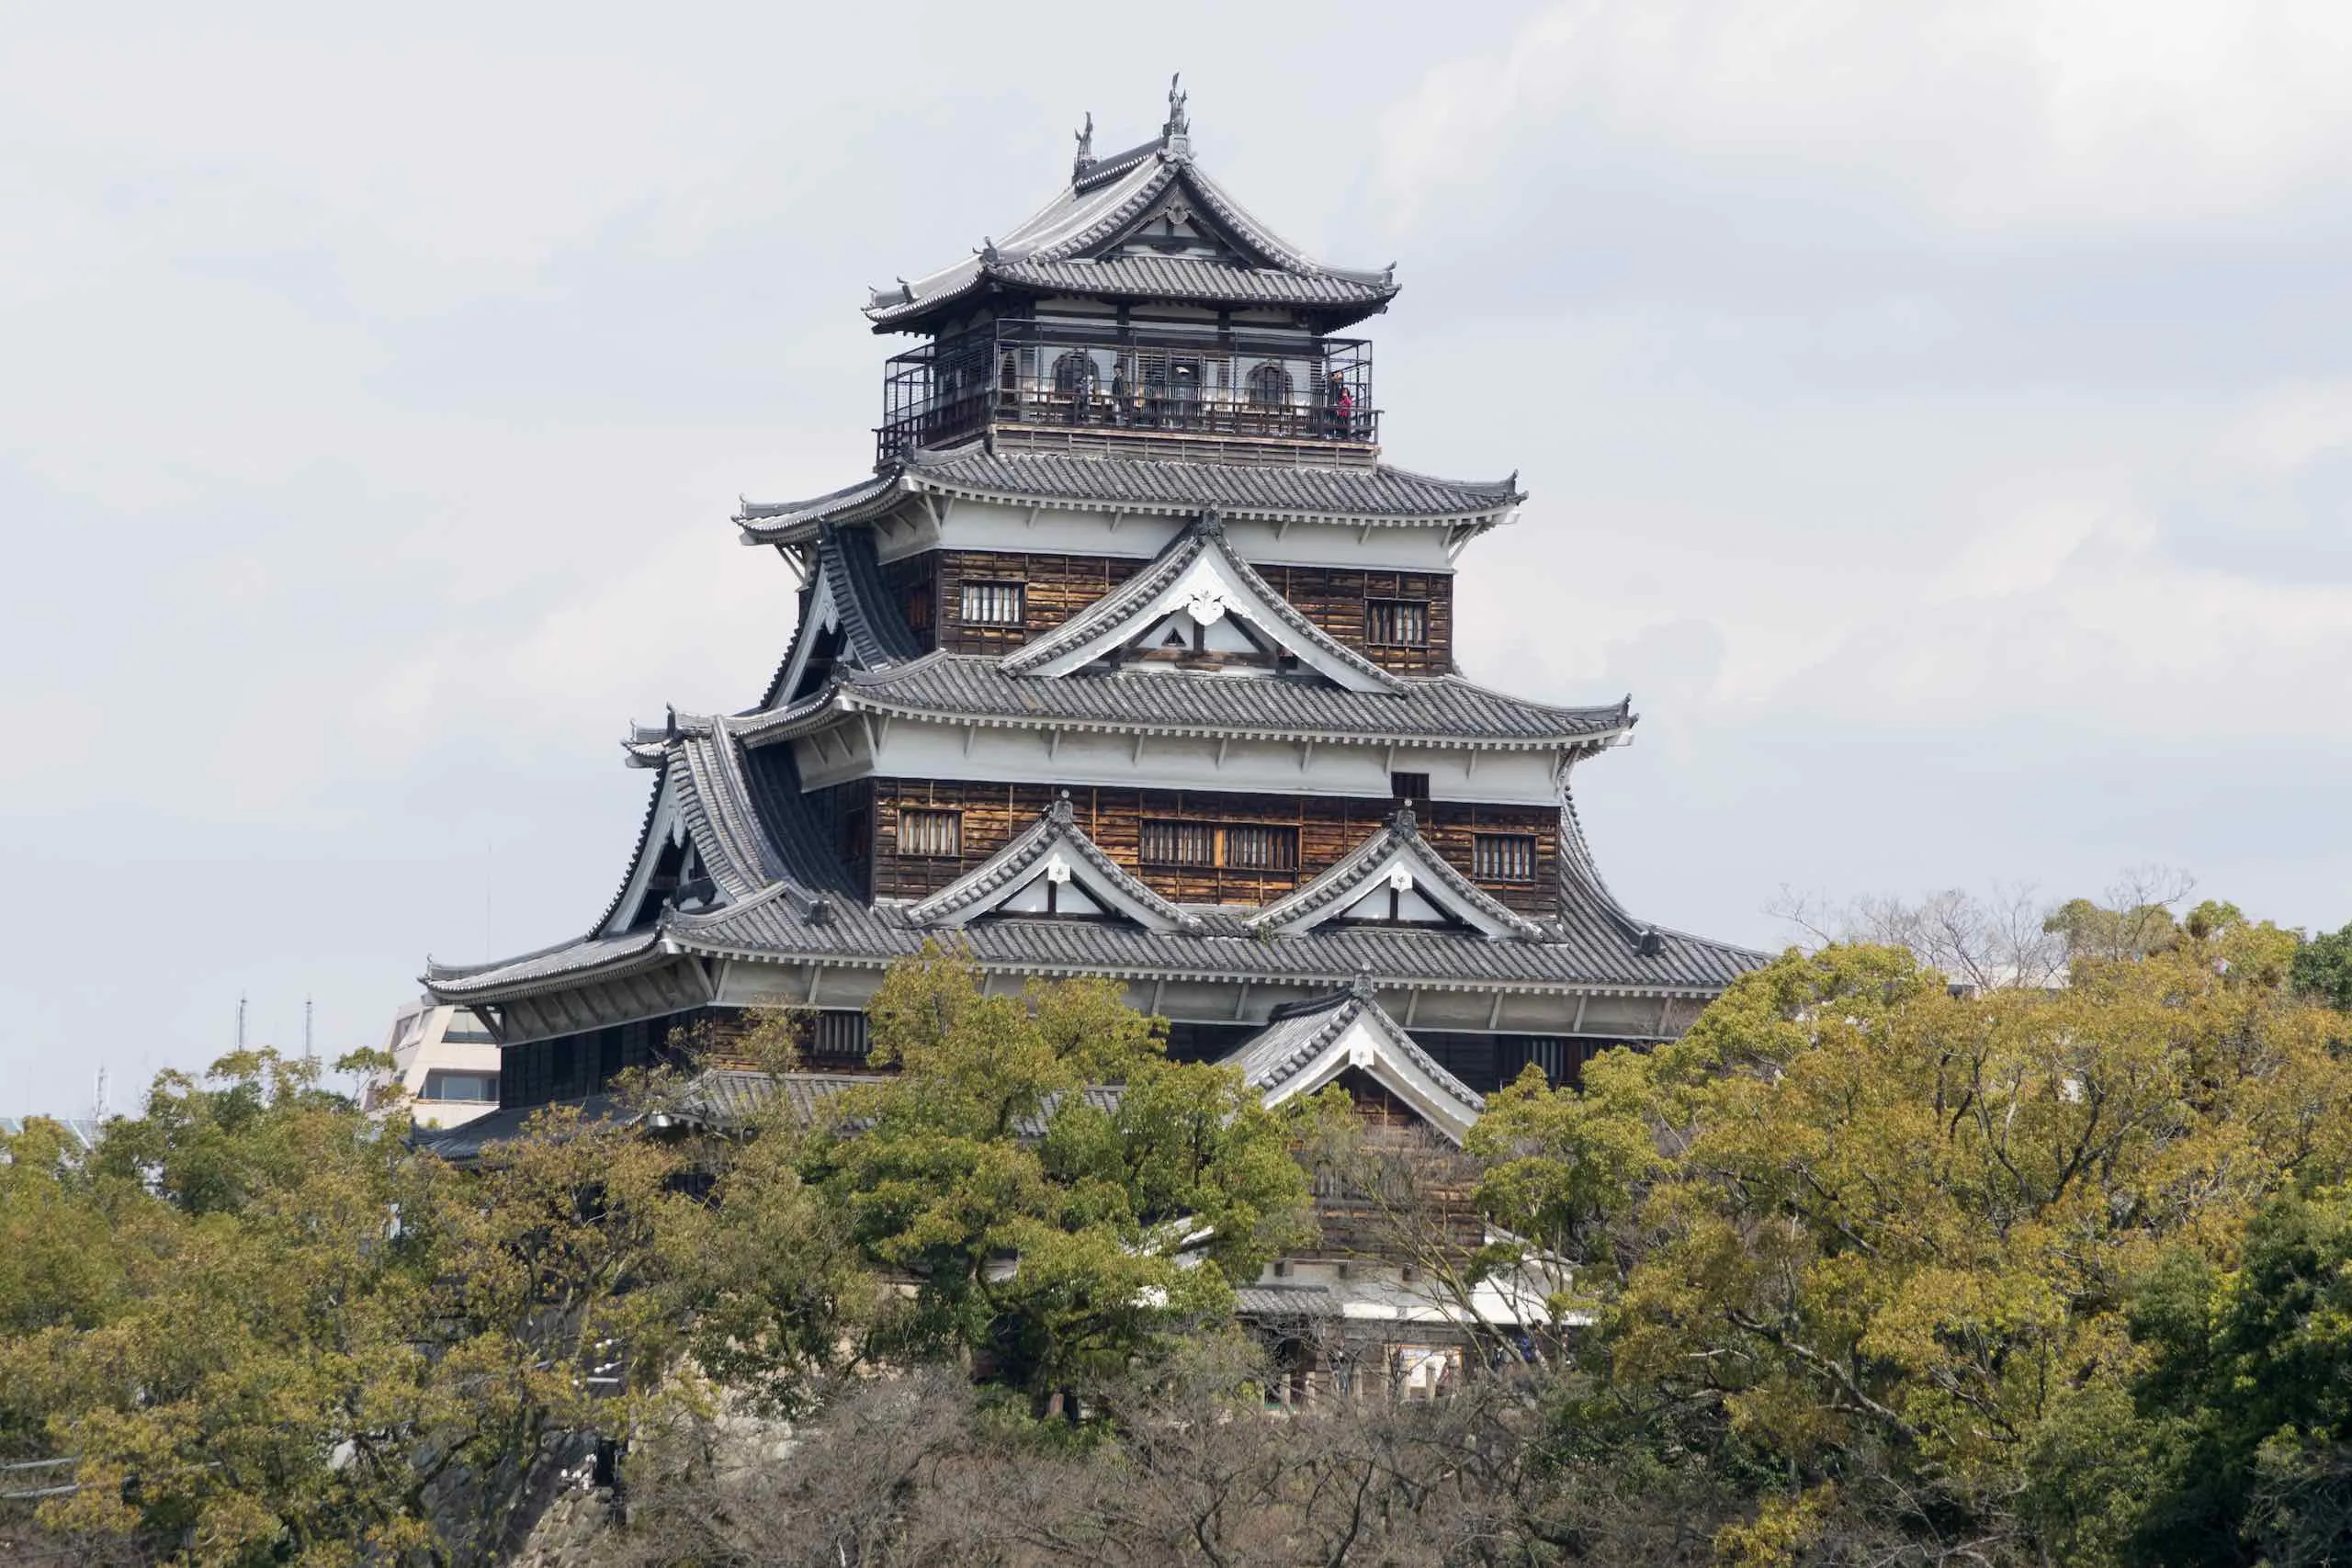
<point x="1162" y="391"/>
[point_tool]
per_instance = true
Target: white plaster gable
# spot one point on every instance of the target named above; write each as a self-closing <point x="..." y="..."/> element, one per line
<point x="1052" y="869"/>
<point x="1395" y="897"/>
<point x="1395" y="859"/>
<point x="1210" y="587"/>
<point x="1305" y="1052"/>
<point x="1055" y="891"/>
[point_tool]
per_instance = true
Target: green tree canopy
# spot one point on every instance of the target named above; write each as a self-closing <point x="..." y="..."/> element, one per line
<point x="1042" y="1222"/>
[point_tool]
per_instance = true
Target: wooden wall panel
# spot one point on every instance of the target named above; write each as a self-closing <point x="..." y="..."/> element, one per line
<point x="1328" y="828"/>
<point x="1333" y="598"/>
<point x="1057" y="587"/>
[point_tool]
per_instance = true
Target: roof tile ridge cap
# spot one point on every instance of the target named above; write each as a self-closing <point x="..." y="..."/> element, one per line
<point x="1499" y="487"/>
<point x="467" y="971"/>
<point x="782" y="889"/>
<point x="1330" y="882"/>
<point x="1110" y="222"/>
<point x="1213" y="528"/>
<point x="745" y="816"/>
<point x="1476" y="897"/>
<point x="1067" y="831"/>
<point x="1253" y="227"/>
<point x="1119" y="607"/>
<point x="1018" y="854"/>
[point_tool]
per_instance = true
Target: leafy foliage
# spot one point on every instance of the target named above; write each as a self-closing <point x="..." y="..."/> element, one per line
<point x="1050" y="1230"/>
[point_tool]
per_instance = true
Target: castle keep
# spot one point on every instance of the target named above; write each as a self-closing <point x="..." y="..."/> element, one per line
<point x="1132" y="658"/>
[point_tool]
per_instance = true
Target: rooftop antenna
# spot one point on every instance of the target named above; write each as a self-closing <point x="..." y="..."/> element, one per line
<point x="309" y="1054"/>
<point x="100" y="1109"/>
<point x="240" y="1021"/>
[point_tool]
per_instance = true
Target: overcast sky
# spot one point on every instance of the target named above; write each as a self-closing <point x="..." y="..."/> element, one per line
<point x="1939" y="417"/>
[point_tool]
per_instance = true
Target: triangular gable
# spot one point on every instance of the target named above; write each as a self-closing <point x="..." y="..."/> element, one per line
<point x="847" y="618"/>
<point x="1308" y="1046"/>
<point x="1189" y="593"/>
<point x="1395" y="876"/>
<point x="1051" y="869"/>
<point x="704" y="843"/>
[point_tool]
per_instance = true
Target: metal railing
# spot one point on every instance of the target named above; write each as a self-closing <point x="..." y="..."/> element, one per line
<point x="1288" y="387"/>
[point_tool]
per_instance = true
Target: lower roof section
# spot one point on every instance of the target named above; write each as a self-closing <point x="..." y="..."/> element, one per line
<point x="1589" y="955"/>
<point x="1440" y="712"/>
<point x="1276" y="492"/>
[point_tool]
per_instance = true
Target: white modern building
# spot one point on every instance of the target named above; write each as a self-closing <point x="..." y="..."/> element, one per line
<point x="444" y="1062"/>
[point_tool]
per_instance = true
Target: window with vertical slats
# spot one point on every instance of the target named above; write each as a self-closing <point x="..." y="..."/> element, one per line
<point x="992" y="603"/>
<point x="1250" y="847"/>
<point x="1503" y="857"/>
<point x="1240" y="846"/>
<point x="1396" y="623"/>
<point x="1178" y="843"/>
<point x="930" y="835"/>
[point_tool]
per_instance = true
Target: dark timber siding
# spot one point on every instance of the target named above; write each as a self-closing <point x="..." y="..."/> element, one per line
<point x="1328" y="828"/>
<point x="1057" y="587"/>
<point x="1334" y="599"/>
<point x="929" y="591"/>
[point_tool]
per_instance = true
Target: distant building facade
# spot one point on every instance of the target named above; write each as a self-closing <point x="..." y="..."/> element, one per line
<point x="444" y="1061"/>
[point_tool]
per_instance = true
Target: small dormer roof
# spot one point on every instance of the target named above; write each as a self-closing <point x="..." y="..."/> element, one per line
<point x="1397" y="851"/>
<point x="1309" y="1044"/>
<point x="1198" y="573"/>
<point x="1053" y="847"/>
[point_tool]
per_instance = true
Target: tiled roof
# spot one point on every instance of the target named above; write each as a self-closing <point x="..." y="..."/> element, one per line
<point x="466" y="1143"/>
<point x="1180" y="277"/>
<point x="1442" y="711"/>
<point x="1298" y="1035"/>
<point x="717" y="808"/>
<point x="727" y="1097"/>
<point x="1239" y="491"/>
<point x="600" y="956"/>
<point x="1297" y="1046"/>
<point x="848" y="579"/>
<point x="814" y="914"/>
<point x="1263" y="1300"/>
<point x="1059" y="246"/>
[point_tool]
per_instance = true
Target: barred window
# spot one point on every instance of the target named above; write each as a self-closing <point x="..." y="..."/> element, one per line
<point x="1397" y="623"/>
<point x="838" y="1034"/>
<point x="1253" y="848"/>
<point x="1244" y="846"/>
<point x="1413" y="789"/>
<point x="930" y="835"/>
<point x="1178" y="843"/>
<point x="1503" y="857"/>
<point x="992" y="603"/>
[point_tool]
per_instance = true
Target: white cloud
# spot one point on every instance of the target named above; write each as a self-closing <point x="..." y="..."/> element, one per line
<point x="2063" y="113"/>
<point x="2291" y="427"/>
